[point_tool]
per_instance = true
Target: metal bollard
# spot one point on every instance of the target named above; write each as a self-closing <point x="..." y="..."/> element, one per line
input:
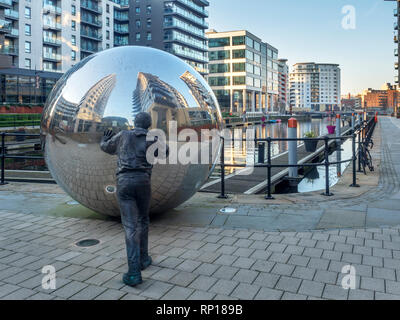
<point x="292" y="147"/>
<point x="3" y="158"/>
<point x="338" y="145"/>
<point x="354" y="184"/>
<point x="223" y="195"/>
<point x="353" y="123"/>
<point x="261" y="152"/>
<point x="268" y="195"/>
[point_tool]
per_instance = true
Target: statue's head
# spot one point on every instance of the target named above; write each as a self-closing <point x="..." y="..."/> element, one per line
<point x="143" y="120"/>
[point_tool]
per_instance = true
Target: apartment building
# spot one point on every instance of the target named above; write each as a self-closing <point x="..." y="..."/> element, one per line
<point x="53" y="35"/>
<point x="315" y="87"/>
<point x="283" y="69"/>
<point x="386" y="98"/>
<point x="243" y="72"/>
<point x="175" y="26"/>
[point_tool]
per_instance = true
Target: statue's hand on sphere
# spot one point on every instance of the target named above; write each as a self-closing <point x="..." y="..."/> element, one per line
<point x="108" y="134"/>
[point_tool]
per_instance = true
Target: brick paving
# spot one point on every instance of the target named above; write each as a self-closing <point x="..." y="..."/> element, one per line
<point x="210" y="262"/>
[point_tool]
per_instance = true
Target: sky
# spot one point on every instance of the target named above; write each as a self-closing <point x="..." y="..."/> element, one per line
<point x="312" y="31"/>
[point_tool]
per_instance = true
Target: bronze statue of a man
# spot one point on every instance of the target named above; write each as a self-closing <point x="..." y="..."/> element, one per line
<point x="133" y="191"/>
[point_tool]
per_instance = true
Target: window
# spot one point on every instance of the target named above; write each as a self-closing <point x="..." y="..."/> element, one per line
<point x="28" y="30"/>
<point x="219" y="68"/>
<point x="73" y="25"/>
<point x="238" y="81"/>
<point x="250" y="55"/>
<point x="148" y="36"/>
<point x="73" y="40"/>
<point x="239" y="67"/>
<point x="107" y="21"/>
<point x="238" y="41"/>
<point x="107" y="35"/>
<point x="137" y="36"/>
<point x="249" y="68"/>
<point x="250" y="42"/>
<point x="27" y="47"/>
<point x="221" y="42"/>
<point x="219" y="55"/>
<point x="73" y="55"/>
<point x="219" y="81"/>
<point x="148" y="9"/>
<point x="107" y="46"/>
<point x="148" y="23"/>
<point x="27" y="12"/>
<point x="108" y="8"/>
<point x="73" y="10"/>
<point x="28" y="63"/>
<point x="238" y="54"/>
<point x="138" y="24"/>
<point x="137" y="10"/>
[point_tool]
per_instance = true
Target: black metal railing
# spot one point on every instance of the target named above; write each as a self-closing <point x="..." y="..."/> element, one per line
<point x="4" y="155"/>
<point x="364" y="131"/>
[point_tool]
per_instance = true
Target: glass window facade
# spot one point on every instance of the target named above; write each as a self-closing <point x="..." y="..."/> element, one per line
<point x="219" y="42"/>
<point x="238" y="54"/>
<point x="219" y="68"/>
<point x="238" y="81"/>
<point x="219" y="55"/>
<point x="219" y="81"/>
<point x="238" y="41"/>
<point x="239" y="67"/>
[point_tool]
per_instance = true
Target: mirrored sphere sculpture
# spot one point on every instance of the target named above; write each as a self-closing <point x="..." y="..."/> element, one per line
<point x="105" y="91"/>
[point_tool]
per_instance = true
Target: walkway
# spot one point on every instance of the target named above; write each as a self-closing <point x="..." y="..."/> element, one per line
<point x="214" y="257"/>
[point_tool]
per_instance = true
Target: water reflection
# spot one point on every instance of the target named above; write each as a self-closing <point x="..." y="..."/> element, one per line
<point x="238" y="152"/>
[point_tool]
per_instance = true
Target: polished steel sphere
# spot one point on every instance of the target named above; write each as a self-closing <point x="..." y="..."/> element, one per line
<point x="106" y="91"/>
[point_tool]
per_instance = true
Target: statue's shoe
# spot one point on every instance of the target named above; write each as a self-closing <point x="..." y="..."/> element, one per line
<point x="146" y="263"/>
<point x="132" y="280"/>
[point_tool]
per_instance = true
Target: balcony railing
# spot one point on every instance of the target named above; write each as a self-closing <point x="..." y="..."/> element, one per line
<point x="89" y="5"/>
<point x="396" y="52"/>
<point x="49" y="69"/>
<point x="6" y="2"/>
<point x="50" y="8"/>
<point x="395" y="12"/>
<point x="11" y="14"/>
<point x="91" y="34"/>
<point x="52" y="25"/>
<point x="194" y="6"/>
<point x="52" y="40"/>
<point x="52" y="56"/>
<point x="9" y="50"/>
<point x="5" y="26"/>
<point x="88" y="20"/>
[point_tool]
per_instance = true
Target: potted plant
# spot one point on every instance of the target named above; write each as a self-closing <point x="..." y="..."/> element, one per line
<point x="331" y="128"/>
<point x="311" y="145"/>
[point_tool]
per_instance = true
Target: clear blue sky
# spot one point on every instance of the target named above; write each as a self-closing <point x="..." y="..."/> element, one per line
<point x="311" y="31"/>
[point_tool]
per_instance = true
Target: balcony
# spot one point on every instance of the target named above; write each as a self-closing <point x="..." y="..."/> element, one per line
<point x="52" y="41"/>
<point x="173" y="9"/>
<point x="396" y="26"/>
<point x="11" y="50"/>
<point x="121" y="30"/>
<point x="396" y="66"/>
<point x="396" y="40"/>
<point x="396" y="52"/>
<point x="121" y="16"/>
<point x="396" y="79"/>
<point x="91" y="21"/>
<point x="90" y="48"/>
<point x="52" y="25"/>
<point x="190" y="4"/>
<point x="51" y="56"/>
<point x="49" y="69"/>
<point x="6" y="3"/>
<point x="395" y="12"/>
<point x="91" y="6"/>
<point x="91" y="35"/>
<point x="50" y="8"/>
<point x="5" y="26"/>
<point x="11" y="14"/>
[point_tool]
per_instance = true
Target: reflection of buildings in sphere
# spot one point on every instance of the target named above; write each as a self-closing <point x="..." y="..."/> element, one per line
<point x="92" y="106"/>
<point x="158" y="98"/>
<point x="72" y="151"/>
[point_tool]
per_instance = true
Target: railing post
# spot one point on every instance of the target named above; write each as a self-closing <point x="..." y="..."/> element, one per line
<point x="261" y="152"/>
<point x="354" y="184"/>
<point x="327" y="192"/>
<point x="3" y="157"/>
<point x="359" y="149"/>
<point x="268" y="195"/>
<point x="223" y="195"/>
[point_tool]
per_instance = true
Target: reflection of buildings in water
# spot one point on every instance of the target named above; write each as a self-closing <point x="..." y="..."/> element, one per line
<point x="163" y="101"/>
<point x="92" y="106"/>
